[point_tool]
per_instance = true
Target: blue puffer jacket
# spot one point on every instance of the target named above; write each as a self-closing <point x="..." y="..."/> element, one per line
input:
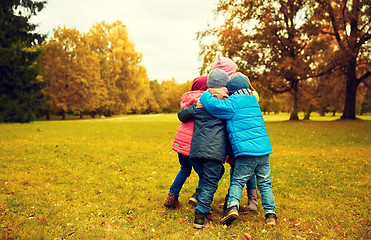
<point x="245" y="123"/>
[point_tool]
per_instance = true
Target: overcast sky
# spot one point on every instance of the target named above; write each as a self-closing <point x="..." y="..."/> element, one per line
<point x="164" y="31"/>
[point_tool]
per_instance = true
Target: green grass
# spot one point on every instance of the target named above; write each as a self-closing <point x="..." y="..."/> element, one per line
<point x="313" y="117"/>
<point x="94" y="179"/>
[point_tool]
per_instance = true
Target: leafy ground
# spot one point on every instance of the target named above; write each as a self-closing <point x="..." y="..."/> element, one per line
<point x="94" y="179"/>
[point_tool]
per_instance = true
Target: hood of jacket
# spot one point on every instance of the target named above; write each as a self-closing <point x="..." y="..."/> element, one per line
<point x="190" y="98"/>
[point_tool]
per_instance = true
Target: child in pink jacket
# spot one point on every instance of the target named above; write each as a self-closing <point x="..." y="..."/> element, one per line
<point x="182" y="145"/>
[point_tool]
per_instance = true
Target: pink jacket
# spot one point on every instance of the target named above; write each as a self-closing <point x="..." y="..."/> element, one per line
<point x="183" y="136"/>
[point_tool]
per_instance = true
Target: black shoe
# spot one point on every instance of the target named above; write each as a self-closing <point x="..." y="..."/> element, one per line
<point x="200" y="220"/>
<point x="225" y="204"/>
<point x="230" y="216"/>
<point x="193" y="199"/>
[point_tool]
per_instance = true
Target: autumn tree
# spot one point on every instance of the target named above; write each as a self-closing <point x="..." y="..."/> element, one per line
<point x="323" y="91"/>
<point x="270" y="41"/>
<point x="21" y="90"/>
<point x="124" y="76"/>
<point x="71" y="72"/>
<point x="155" y="98"/>
<point x="166" y="96"/>
<point x="349" y="23"/>
<point x="173" y="93"/>
<point x="95" y="72"/>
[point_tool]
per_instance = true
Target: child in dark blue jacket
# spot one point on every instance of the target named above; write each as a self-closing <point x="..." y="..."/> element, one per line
<point x="209" y="144"/>
<point x="250" y="143"/>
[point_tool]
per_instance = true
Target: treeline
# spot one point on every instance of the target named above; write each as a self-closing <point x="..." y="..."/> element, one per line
<point x="306" y="56"/>
<point x="94" y="72"/>
<point x="99" y="72"/>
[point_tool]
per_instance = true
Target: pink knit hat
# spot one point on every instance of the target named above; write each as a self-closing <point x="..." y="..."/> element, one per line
<point x="225" y="64"/>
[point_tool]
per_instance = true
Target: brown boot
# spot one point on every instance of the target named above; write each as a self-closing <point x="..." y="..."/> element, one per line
<point x="176" y="202"/>
<point x="252" y="204"/>
<point x="172" y="201"/>
<point x="241" y="210"/>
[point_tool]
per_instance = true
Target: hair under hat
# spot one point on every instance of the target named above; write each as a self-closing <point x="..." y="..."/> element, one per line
<point x="199" y="83"/>
<point x="237" y="83"/>
<point x="225" y="64"/>
<point x="217" y="78"/>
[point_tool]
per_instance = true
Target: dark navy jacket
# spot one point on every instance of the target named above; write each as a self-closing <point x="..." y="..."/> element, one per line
<point x="210" y="139"/>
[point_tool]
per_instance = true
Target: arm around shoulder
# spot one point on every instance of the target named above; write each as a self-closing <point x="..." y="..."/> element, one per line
<point x="223" y="109"/>
<point x="186" y="114"/>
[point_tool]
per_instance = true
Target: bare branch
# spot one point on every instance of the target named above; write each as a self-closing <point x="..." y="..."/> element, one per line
<point x="276" y="90"/>
<point x="325" y="72"/>
<point x="329" y="33"/>
<point x="364" y="39"/>
<point x="284" y="47"/>
<point x="333" y="21"/>
<point x="364" y="77"/>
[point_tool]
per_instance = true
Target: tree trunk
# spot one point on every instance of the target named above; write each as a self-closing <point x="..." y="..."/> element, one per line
<point x="322" y="111"/>
<point x="81" y="115"/>
<point x="294" y="101"/>
<point x="349" y="111"/>
<point x="350" y="102"/>
<point x="365" y="106"/>
<point x="63" y="115"/>
<point x="307" y="114"/>
<point x="47" y="115"/>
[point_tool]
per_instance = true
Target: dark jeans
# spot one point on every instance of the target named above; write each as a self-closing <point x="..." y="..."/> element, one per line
<point x="185" y="171"/>
<point x="213" y="173"/>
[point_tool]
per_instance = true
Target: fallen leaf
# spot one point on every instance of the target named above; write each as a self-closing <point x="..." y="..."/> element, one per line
<point x="247" y="236"/>
<point x="42" y="220"/>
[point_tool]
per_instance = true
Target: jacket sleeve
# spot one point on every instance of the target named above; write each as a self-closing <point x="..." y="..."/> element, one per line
<point x="223" y="109"/>
<point x="186" y="114"/>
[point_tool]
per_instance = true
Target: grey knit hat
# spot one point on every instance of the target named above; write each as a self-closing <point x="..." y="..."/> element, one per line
<point x="217" y="78"/>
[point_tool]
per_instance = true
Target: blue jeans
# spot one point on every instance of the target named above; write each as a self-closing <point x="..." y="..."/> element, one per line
<point x="213" y="173"/>
<point x="251" y="183"/>
<point x="185" y="171"/>
<point x="245" y="167"/>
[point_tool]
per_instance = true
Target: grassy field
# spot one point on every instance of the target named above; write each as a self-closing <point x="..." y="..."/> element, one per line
<point x="94" y="179"/>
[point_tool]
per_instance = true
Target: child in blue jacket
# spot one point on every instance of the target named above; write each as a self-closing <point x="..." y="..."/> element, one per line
<point x="250" y="144"/>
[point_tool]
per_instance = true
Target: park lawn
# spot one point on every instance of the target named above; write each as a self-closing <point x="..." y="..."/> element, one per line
<point x="94" y="179"/>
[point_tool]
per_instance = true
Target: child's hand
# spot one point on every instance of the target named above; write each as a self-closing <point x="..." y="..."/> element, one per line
<point x="219" y="93"/>
<point x="199" y="105"/>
